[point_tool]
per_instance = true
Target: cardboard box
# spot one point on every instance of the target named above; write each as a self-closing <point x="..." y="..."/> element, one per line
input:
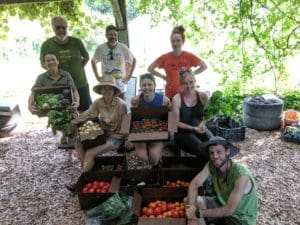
<point x="133" y="180"/>
<point x="54" y="90"/>
<point x="148" y="195"/>
<point x="183" y="162"/>
<point x="92" y="139"/>
<point x="149" y="112"/>
<point x="90" y="200"/>
<point x="173" y="175"/>
<point x="110" y="163"/>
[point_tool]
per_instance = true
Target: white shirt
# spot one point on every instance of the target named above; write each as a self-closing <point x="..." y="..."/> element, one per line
<point x="114" y="59"/>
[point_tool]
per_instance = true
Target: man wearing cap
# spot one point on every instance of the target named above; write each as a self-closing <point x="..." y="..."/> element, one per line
<point x="116" y="59"/>
<point x="235" y="200"/>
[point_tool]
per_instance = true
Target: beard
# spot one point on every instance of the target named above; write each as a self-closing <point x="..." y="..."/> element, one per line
<point x="221" y="164"/>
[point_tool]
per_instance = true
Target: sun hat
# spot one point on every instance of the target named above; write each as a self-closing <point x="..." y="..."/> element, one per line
<point x="222" y="141"/>
<point x="106" y="80"/>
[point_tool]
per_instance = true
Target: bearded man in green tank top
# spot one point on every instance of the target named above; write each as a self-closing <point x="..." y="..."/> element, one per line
<point x="235" y="200"/>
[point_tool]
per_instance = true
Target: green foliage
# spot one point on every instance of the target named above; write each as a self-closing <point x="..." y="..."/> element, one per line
<point x="61" y="120"/>
<point x="291" y="99"/>
<point x="48" y="100"/>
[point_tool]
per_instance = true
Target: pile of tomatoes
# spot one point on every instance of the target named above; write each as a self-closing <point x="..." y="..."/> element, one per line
<point x="163" y="209"/>
<point x="178" y="183"/>
<point x="96" y="187"/>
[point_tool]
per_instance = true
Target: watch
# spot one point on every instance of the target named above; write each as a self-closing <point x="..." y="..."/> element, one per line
<point x="198" y="213"/>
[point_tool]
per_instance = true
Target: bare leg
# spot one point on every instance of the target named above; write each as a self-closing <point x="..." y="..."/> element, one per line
<point x="155" y="149"/>
<point x="80" y="152"/>
<point x="92" y="153"/>
<point x="141" y="151"/>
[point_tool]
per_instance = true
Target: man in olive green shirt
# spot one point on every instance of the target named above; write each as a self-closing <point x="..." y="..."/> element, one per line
<point x="235" y="200"/>
<point x="72" y="57"/>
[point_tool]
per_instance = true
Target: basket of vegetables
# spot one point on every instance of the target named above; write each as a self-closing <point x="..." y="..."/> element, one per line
<point x="91" y="134"/>
<point x="52" y="98"/>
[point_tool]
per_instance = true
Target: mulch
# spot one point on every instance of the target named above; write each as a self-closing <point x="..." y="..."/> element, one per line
<point x="33" y="173"/>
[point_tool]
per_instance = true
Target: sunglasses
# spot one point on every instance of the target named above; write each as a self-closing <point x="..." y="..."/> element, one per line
<point x="60" y="27"/>
<point x="111" y="56"/>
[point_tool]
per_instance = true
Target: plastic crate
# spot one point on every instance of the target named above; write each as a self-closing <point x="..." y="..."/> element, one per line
<point x="231" y="130"/>
<point x="212" y="125"/>
<point x="289" y="137"/>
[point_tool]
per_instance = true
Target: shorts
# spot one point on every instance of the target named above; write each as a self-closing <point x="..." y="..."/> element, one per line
<point x="212" y="202"/>
<point x="85" y="98"/>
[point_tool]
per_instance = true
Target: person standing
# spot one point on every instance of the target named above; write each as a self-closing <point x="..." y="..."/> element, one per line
<point x="116" y="59"/>
<point x="235" y="201"/>
<point x="174" y="61"/>
<point x="72" y="56"/>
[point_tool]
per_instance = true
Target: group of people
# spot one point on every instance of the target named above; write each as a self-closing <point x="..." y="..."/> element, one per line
<point x="64" y="58"/>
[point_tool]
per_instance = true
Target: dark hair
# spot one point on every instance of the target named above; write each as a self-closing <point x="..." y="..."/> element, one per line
<point x="147" y="76"/>
<point x="184" y="73"/>
<point x="109" y="28"/>
<point x="225" y="145"/>
<point x="48" y="53"/>
<point x="179" y="30"/>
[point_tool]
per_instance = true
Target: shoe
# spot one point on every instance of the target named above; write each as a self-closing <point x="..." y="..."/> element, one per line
<point x="71" y="187"/>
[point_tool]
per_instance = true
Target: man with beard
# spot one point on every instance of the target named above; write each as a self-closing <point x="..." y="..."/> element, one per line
<point x="72" y="57"/>
<point x="116" y="59"/>
<point x="235" y="200"/>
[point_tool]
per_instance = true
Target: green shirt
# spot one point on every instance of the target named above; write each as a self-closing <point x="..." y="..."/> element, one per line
<point x="70" y="55"/>
<point x="45" y="79"/>
<point x="247" y="209"/>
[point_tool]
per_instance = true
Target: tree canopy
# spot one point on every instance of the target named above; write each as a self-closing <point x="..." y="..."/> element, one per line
<point x="243" y="40"/>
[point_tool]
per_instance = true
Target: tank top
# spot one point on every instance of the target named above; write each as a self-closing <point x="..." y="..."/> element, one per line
<point x="191" y="115"/>
<point x="158" y="100"/>
<point x="247" y="209"/>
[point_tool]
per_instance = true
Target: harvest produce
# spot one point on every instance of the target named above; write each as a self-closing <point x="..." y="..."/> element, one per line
<point x="163" y="209"/>
<point x="149" y="125"/>
<point x="89" y="127"/>
<point x="51" y="100"/>
<point x="96" y="187"/>
<point x="292" y="133"/>
<point x="60" y="120"/>
<point x="178" y="183"/>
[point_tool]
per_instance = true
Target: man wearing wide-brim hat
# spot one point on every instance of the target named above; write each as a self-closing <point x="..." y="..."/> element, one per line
<point x="235" y="200"/>
<point x="109" y="109"/>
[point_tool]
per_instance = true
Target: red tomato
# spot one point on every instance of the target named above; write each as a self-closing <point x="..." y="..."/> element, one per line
<point x="91" y="190"/>
<point x="152" y="205"/>
<point x="181" y="213"/>
<point x="170" y="206"/>
<point x="103" y="190"/>
<point x="164" y="207"/>
<point x="85" y="189"/>
<point x="96" y="183"/>
<point x="173" y="184"/>
<point x="156" y="211"/>
<point x="98" y="190"/>
<point x="101" y="183"/>
<point x="144" y="210"/>
<point x="149" y="212"/>
<point x="89" y="185"/>
<point x="175" y="214"/>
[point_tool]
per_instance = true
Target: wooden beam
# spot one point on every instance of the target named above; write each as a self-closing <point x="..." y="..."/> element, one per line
<point x="7" y="2"/>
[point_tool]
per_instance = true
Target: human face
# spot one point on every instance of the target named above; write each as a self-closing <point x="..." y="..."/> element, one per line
<point x="112" y="37"/>
<point x="108" y="92"/>
<point x="59" y="27"/>
<point x="188" y="83"/>
<point x="218" y="155"/>
<point x="147" y="87"/>
<point x="176" y="42"/>
<point x="51" y="62"/>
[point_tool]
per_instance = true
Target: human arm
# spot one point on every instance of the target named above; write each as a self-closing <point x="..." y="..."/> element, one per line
<point x="95" y="69"/>
<point x="130" y="70"/>
<point x="240" y="187"/>
<point x="200" y="68"/>
<point x="167" y="102"/>
<point x="152" y="70"/>
<point x="175" y="107"/>
<point x="195" y="183"/>
<point x="31" y="104"/>
<point x="76" y="102"/>
<point x="134" y="101"/>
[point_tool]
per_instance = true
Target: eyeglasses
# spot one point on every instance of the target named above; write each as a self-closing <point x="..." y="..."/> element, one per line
<point x="111" y="56"/>
<point x="60" y="27"/>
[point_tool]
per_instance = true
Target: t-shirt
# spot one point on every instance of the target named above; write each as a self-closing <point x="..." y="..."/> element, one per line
<point x="114" y="60"/>
<point x="172" y="65"/>
<point x="247" y="209"/>
<point x="70" y="56"/>
<point x="45" y="79"/>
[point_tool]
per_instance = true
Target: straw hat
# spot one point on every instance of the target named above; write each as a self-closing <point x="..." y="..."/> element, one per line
<point x="219" y="140"/>
<point x="106" y="80"/>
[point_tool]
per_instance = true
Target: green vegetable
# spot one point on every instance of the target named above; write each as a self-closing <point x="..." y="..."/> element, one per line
<point x="46" y="101"/>
<point x="61" y="120"/>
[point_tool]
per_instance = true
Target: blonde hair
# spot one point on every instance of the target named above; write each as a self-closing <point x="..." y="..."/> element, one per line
<point x="183" y="74"/>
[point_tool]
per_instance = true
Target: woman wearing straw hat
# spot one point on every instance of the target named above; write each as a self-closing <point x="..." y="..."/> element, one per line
<point x="110" y="109"/>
